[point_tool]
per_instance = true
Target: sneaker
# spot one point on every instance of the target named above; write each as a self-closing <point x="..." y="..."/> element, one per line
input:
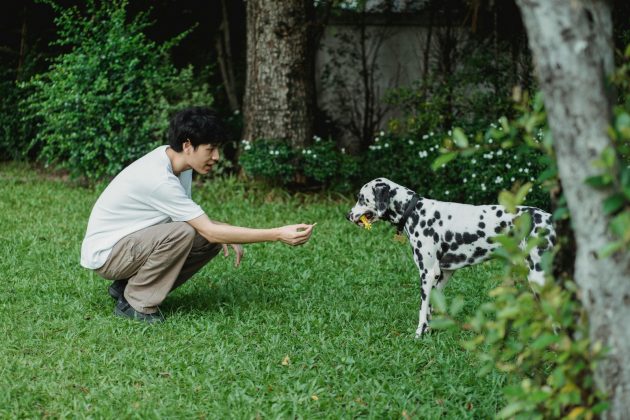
<point x="124" y="309"/>
<point x="117" y="289"/>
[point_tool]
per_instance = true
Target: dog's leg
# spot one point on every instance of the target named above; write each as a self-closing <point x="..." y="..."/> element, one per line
<point x="428" y="277"/>
<point x="444" y="278"/>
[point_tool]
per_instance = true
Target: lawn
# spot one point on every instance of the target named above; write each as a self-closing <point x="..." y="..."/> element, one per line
<point x="319" y="331"/>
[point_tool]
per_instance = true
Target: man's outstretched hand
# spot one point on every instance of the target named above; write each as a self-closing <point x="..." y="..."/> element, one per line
<point x="290" y="234"/>
<point x="295" y="234"/>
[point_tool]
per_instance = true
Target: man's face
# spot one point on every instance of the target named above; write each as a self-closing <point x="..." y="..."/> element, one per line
<point x="203" y="158"/>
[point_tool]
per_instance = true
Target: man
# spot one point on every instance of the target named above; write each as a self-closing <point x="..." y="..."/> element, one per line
<point x="146" y="233"/>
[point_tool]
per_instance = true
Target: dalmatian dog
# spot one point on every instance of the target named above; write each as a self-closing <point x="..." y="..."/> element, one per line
<point x="446" y="236"/>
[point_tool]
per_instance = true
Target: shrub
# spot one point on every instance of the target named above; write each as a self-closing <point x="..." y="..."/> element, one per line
<point x="475" y="178"/>
<point x="107" y="101"/>
<point x="320" y="164"/>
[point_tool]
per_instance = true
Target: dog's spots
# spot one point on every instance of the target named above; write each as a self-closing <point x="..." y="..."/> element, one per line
<point x="423" y="224"/>
<point x="448" y="235"/>
<point x="499" y="213"/>
<point x="436" y="214"/>
<point x="450" y="217"/>
<point x="481" y="225"/>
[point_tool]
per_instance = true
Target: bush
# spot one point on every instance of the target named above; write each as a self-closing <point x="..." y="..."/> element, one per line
<point x="320" y="164"/>
<point x="107" y="101"/>
<point x="473" y="179"/>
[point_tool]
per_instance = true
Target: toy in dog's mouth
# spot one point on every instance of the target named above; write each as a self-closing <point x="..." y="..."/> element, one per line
<point x="365" y="220"/>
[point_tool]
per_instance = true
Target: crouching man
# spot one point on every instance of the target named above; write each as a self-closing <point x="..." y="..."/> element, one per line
<point x="146" y="233"/>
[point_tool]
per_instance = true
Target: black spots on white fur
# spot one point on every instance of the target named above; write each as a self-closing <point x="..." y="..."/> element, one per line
<point x="499" y="213"/>
<point x="448" y="236"/>
<point x="436" y="215"/>
<point x="450" y="217"/>
<point x="465" y="238"/>
<point x="481" y="225"/>
<point x="423" y="223"/>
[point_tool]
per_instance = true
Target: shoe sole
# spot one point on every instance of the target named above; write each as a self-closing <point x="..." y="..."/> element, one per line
<point x="122" y="314"/>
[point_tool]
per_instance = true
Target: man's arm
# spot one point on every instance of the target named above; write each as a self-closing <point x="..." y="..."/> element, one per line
<point x="220" y="233"/>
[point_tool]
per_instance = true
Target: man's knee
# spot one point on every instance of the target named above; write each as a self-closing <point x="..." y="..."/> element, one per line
<point x="184" y="232"/>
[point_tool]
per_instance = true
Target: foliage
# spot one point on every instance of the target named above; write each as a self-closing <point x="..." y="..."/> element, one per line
<point x="13" y="131"/>
<point x="474" y="178"/>
<point x="321" y="163"/>
<point x="615" y="165"/>
<point x="540" y="337"/>
<point x="107" y="100"/>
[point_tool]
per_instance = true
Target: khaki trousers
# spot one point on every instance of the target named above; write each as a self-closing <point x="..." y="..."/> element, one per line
<point x="156" y="260"/>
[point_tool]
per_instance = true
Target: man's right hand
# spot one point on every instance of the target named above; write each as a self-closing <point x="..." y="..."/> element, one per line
<point x="295" y="234"/>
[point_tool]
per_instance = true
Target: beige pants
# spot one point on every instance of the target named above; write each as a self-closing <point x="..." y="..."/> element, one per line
<point x="156" y="260"/>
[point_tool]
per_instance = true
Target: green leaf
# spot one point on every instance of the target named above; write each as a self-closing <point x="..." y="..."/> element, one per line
<point x="441" y="323"/>
<point x="510" y="410"/>
<point x="508" y="200"/>
<point x="438" y="300"/>
<point x="610" y="249"/>
<point x="620" y="225"/>
<point x="544" y="341"/>
<point x="459" y="137"/>
<point x="443" y="160"/>
<point x="456" y="306"/>
<point x="599" y="181"/>
<point x="613" y="203"/>
<point x="522" y="192"/>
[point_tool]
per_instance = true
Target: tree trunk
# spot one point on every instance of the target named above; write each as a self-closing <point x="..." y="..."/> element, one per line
<point x="279" y="91"/>
<point x="223" y="45"/>
<point x="571" y="42"/>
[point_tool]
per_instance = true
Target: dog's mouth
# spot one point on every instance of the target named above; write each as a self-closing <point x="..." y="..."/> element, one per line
<point x="369" y="216"/>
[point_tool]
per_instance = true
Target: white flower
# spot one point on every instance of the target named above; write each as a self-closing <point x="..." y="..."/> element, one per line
<point x="382" y="133"/>
<point x="410" y="142"/>
<point x="507" y="165"/>
<point x="446" y="192"/>
<point x="512" y="179"/>
<point x="498" y="180"/>
<point x="474" y="175"/>
<point x="465" y="180"/>
<point x="500" y="152"/>
<point x="425" y="137"/>
<point x="473" y="162"/>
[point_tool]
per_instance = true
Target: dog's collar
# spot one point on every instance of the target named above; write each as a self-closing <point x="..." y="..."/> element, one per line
<point x="410" y="206"/>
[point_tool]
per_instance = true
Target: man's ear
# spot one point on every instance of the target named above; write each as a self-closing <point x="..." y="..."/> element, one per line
<point x="381" y="198"/>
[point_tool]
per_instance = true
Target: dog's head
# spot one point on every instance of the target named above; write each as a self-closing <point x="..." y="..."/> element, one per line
<point x="373" y="201"/>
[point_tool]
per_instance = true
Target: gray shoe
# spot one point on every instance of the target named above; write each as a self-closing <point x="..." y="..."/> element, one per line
<point x="117" y="289"/>
<point x="124" y="309"/>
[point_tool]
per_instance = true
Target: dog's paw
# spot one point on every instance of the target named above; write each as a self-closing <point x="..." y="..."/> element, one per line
<point x="422" y="329"/>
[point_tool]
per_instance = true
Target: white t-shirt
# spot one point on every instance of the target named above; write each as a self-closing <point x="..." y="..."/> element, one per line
<point x="144" y="194"/>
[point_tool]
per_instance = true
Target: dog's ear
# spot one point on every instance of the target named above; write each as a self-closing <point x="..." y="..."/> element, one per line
<point x="381" y="198"/>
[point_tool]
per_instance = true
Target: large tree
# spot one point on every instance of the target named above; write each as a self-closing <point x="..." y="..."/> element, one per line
<point x="279" y="89"/>
<point x="571" y="42"/>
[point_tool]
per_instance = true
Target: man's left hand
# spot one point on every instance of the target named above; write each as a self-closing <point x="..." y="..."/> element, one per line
<point x="238" y="250"/>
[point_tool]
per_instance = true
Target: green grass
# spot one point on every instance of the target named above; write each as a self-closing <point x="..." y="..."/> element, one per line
<point x="343" y="308"/>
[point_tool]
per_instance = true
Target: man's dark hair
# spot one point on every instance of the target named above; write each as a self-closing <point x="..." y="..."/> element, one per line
<point x="198" y="124"/>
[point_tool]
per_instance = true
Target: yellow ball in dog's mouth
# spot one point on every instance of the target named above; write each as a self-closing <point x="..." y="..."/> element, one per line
<point x="366" y="223"/>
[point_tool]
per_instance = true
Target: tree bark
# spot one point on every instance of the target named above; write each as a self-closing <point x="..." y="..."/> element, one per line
<point x="571" y="42"/>
<point x="279" y="91"/>
<point x="223" y="45"/>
